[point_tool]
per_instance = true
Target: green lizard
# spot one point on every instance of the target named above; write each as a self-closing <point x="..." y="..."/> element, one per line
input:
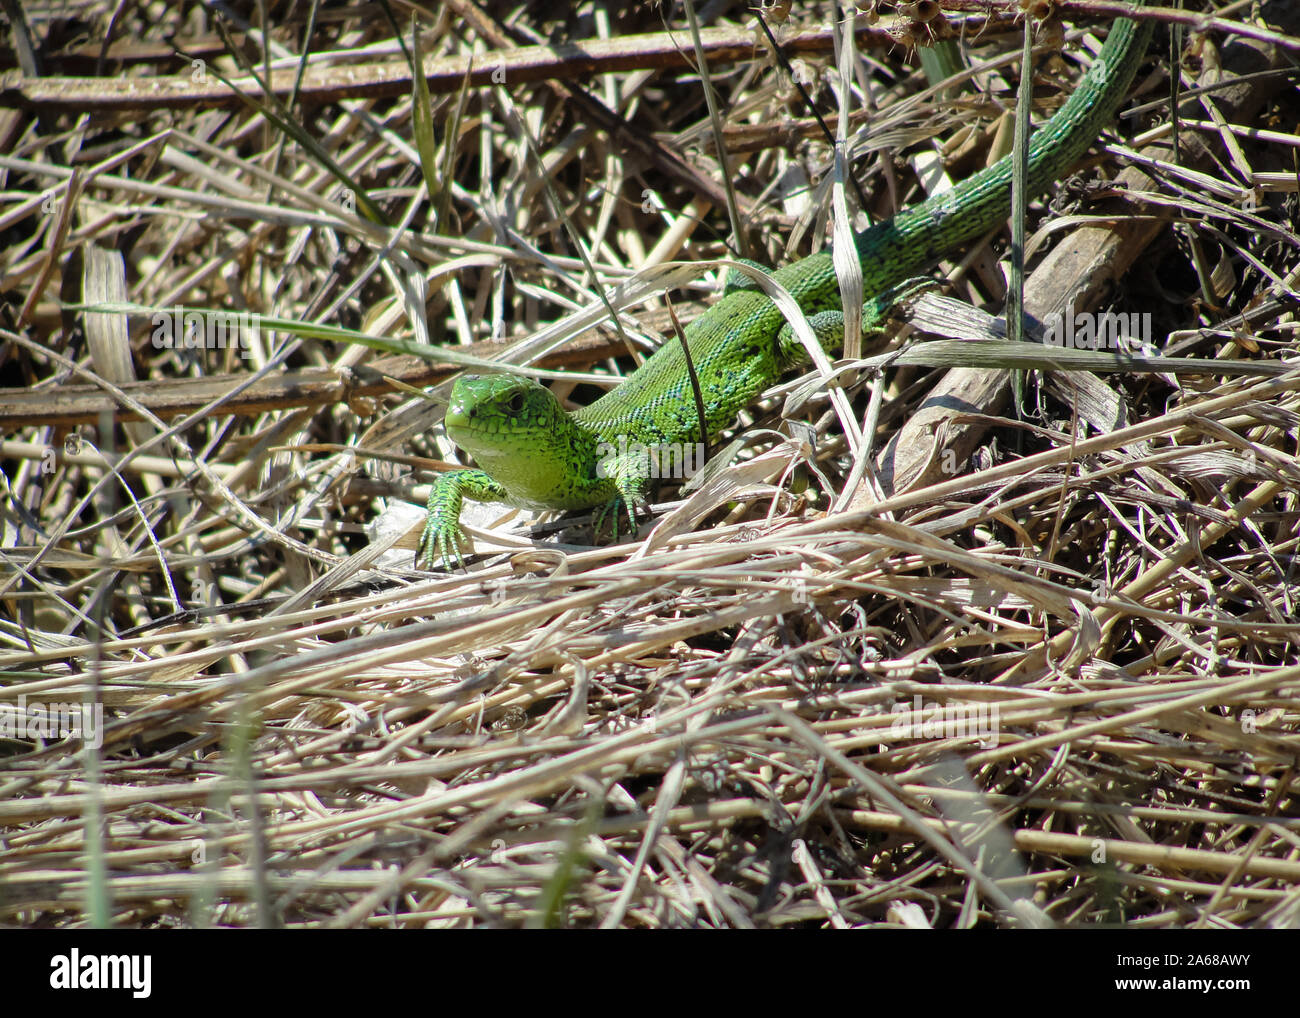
<point x="535" y="455"/>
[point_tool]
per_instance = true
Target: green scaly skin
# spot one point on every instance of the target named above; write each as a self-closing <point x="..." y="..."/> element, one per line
<point x="535" y="455"/>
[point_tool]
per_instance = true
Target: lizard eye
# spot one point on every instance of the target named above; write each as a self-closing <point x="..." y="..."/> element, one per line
<point x="515" y="403"/>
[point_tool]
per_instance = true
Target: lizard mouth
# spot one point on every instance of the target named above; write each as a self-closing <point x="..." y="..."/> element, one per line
<point x="475" y="431"/>
<point x="460" y="409"/>
<point x="461" y="417"/>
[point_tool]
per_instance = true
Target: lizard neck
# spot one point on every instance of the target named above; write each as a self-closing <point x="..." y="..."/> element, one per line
<point x="535" y="463"/>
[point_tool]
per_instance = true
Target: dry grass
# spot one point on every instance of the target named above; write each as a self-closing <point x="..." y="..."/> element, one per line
<point x="1057" y="685"/>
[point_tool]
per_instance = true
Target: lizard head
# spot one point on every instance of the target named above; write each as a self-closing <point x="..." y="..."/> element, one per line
<point x="517" y="431"/>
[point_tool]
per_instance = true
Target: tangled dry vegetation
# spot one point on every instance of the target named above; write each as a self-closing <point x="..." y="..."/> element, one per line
<point x="929" y="667"/>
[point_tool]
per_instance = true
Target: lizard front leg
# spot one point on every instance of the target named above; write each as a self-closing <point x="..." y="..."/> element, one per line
<point x="442" y="534"/>
<point x="629" y="474"/>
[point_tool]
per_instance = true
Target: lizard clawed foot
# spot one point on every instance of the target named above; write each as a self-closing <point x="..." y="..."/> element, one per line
<point x="440" y="540"/>
<point x="882" y="306"/>
<point x="612" y="510"/>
